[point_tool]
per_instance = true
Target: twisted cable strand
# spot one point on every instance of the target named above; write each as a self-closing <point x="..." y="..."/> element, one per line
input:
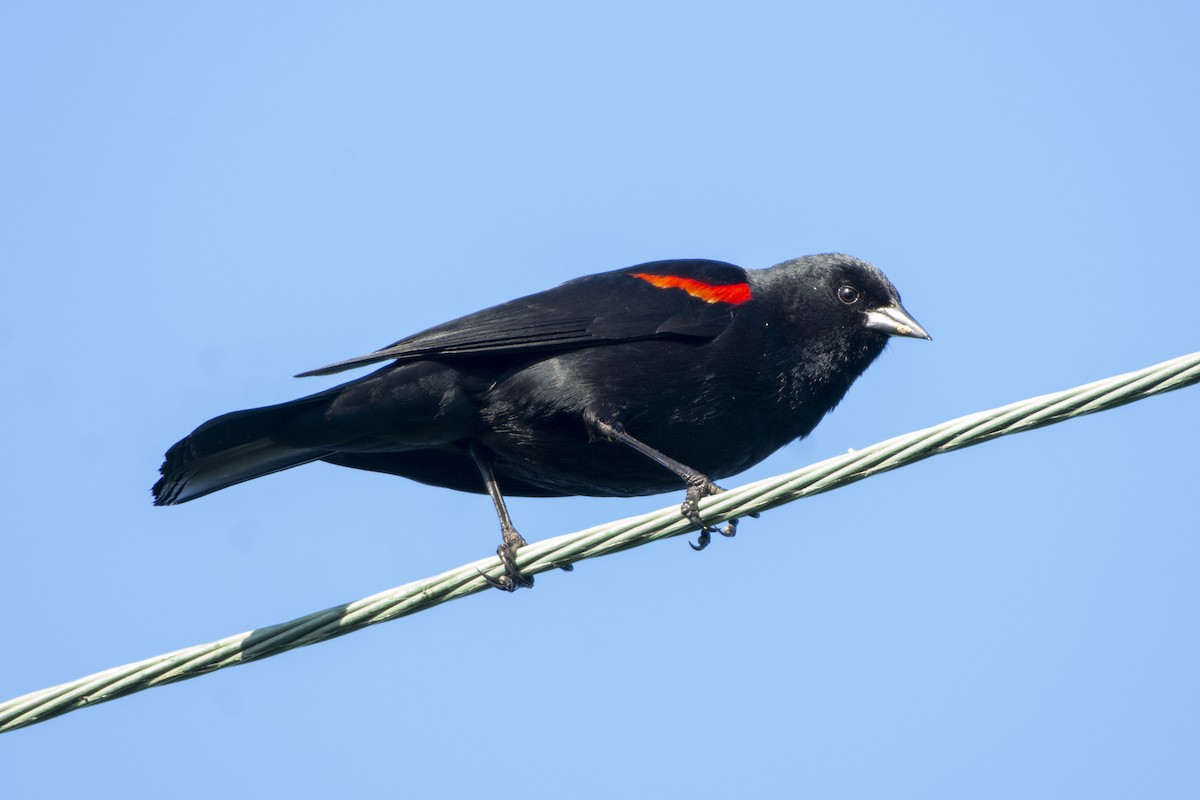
<point x="600" y="540"/>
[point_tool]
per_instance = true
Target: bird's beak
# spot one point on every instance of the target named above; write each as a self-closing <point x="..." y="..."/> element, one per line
<point x="895" y="321"/>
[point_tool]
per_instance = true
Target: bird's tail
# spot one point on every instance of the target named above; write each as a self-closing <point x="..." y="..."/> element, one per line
<point x="233" y="448"/>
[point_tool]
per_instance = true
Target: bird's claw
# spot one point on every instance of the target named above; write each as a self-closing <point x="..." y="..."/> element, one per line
<point x="706" y="531"/>
<point x="697" y="489"/>
<point x="513" y="578"/>
<point x="691" y="512"/>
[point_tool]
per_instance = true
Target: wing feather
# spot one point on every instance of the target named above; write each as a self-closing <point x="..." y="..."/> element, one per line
<point x="612" y="306"/>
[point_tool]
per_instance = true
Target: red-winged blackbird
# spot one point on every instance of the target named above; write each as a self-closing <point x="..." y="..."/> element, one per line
<point x="624" y="383"/>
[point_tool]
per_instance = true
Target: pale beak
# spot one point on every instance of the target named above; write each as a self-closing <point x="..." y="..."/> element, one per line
<point x="895" y="321"/>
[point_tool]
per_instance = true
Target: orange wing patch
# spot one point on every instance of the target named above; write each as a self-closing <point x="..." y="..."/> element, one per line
<point x="734" y="293"/>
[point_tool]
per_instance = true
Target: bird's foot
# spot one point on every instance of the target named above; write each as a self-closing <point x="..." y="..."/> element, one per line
<point x="513" y="578"/>
<point x="699" y="488"/>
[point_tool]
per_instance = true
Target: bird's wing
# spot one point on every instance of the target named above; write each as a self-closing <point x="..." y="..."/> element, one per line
<point x="680" y="299"/>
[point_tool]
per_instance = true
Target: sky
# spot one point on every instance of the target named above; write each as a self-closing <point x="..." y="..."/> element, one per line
<point x="200" y="201"/>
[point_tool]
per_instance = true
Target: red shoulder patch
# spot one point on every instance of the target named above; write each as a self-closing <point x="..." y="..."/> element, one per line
<point x="734" y="293"/>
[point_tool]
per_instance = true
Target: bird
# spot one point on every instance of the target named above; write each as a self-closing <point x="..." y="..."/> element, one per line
<point x="662" y="376"/>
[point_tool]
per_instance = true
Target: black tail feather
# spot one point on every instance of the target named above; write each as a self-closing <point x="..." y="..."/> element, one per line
<point x="233" y="448"/>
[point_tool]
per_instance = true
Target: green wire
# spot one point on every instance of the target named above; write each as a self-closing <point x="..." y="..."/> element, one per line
<point x="600" y="540"/>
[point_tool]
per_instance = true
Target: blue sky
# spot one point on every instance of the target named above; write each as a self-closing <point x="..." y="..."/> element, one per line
<point x="201" y="201"/>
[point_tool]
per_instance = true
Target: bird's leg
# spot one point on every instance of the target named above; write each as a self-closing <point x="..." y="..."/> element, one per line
<point x="698" y="484"/>
<point x="513" y="578"/>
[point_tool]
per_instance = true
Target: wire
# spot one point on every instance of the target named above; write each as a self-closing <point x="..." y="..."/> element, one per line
<point x="601" y="540"/>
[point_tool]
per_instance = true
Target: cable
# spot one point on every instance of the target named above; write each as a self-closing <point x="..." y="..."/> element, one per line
<point x="603" y="539"/>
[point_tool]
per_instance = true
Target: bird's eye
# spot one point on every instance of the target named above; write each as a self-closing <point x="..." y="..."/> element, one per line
<point x="848" y="295"/>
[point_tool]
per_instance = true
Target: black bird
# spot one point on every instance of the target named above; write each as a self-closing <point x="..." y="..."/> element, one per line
<point x="630" y="382"/>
